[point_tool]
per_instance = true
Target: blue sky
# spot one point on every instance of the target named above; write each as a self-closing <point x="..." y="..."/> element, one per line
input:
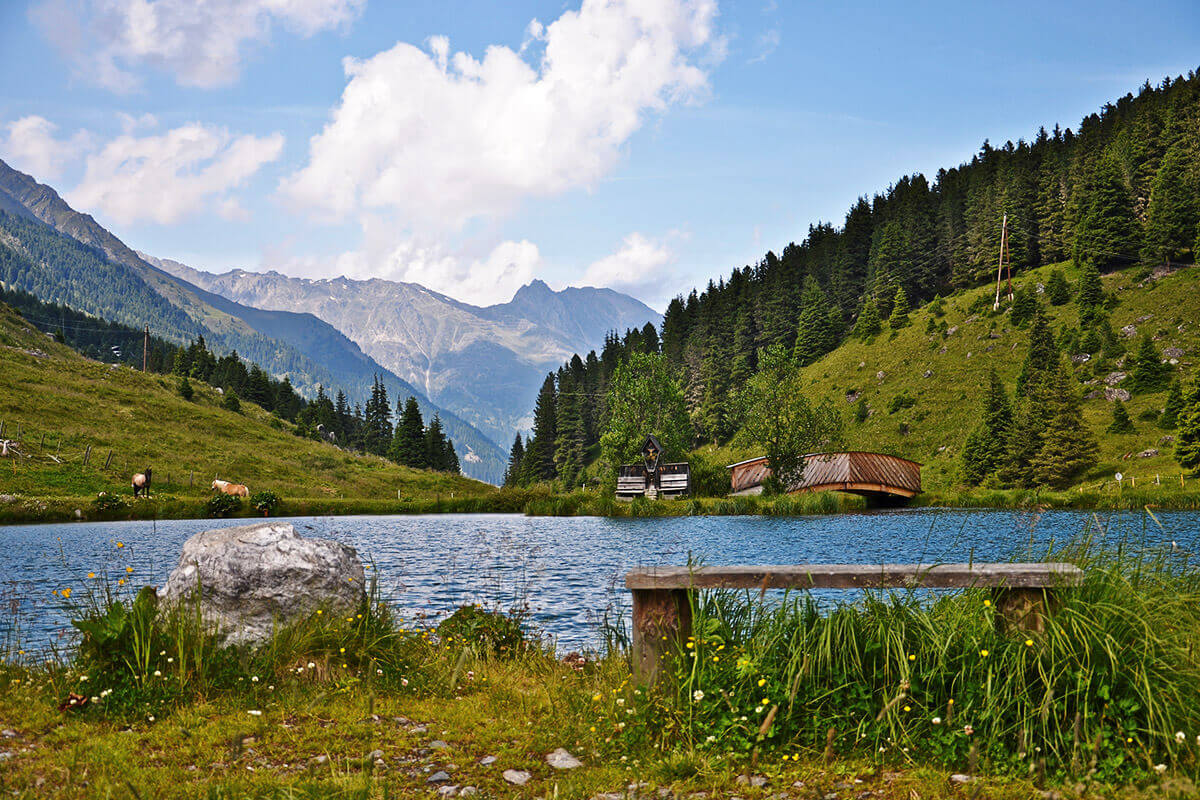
<point x="646" y="145"/>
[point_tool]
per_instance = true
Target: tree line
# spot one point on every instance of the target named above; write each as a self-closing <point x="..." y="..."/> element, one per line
<point x="1122" y="189"/>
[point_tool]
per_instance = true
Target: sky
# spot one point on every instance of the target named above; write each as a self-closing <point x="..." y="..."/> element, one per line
<point x="474" y="145"/>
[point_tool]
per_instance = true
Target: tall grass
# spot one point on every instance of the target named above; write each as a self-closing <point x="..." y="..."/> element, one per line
<point x="582" y="503"/>
<point x="1111" y="686"/>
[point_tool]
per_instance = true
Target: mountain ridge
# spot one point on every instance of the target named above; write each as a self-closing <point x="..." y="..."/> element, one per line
<point x="485" y="363"/>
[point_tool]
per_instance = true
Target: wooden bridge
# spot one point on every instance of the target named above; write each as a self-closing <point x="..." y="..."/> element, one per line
<point x="877" y="476"/>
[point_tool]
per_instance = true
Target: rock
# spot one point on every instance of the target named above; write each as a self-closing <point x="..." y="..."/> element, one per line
<point x="1173" y="352"/>
<point x="518" y="777"/>
<point x="447" y="791"/>
<point x="487" y="761"/>
<point x="880" y="375"/>
<point x="318" y="761"/>
<point x="1129" y="331"/>
<point x="958" y="777"/>
<point x="1092" y="395"/>
<point x="1041" y="288"/>
<point x="438" y="744"/>
<point x="968" y="354"/>
<point x="953" y="329"/>
<point x="852" y="396"/>
<point x="1113" y="378"/>
<point x="252" y="576"/>
<point x="1145" y="318"/>
<point x="468" y="791"/>
<point x="993" y="335"/>
<point x="927" y="374"/>
<point x="1111" y="394"/>
<point x="8" y="733"/>
<point x="942" y="351"/>
<point x="1166" y="440"/>
<point x="1120" y="362"/>
<point x="1081" y="358"/>
<point x="862" y="364"/>
<point x="1149" y="453"/>
<point x="561" y="759"/>
<point x="379" y="763"/>
<point x="441" y="776"/>
<point x="375" y="755"/>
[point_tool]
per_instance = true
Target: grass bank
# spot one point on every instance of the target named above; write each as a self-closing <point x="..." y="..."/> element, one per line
<point x="883" y="697"/>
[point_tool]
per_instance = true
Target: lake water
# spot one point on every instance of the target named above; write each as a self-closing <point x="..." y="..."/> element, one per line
<point x="568" y="570"/>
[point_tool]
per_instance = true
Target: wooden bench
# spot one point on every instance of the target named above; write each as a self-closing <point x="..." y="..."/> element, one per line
<point x="662" y="604"/>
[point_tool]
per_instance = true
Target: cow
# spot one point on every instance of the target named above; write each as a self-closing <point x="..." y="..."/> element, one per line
<point x="141" y="483"/>
<point x="235" y="489"/>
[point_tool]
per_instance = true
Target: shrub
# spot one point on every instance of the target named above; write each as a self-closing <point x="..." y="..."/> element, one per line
<point x="900" y="402"/>
<point x="231" y="403"/>
<point x="491" y="631"/>
<point x="109" y="503"/>
<point x="185" y="389"/>
<point x="266" y="501"/>
<point x="222" y="505"/>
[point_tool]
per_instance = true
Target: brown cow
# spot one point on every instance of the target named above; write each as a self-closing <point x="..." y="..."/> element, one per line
<point x="141" y="483"/>
<point x="235" y="489"/>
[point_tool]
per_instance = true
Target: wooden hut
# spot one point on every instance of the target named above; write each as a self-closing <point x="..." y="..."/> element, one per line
<point x="653" y="477"/>
<point x="874" y="475"/>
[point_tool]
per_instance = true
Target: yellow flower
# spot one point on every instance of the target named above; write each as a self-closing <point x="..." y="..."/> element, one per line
<point x="765" y="701"/>
<point x="318" y="612"/>
<point x="983" y="653"/>
<point x="908" y="708"/>
<point x="762" y="681"/>
<point x="66" y="593"/>
<point x="128" y="570"/>
<point x="716" y="658"/>
<point x="120" y="545"/>
<point x="1029" y="642"/>
<point x="121" y="582"/>
<point x="342" y="650"/>
<point x="91" y="574"/>
<point x="690" y="645"/>
<point x="596" y="698"/>
<point x="987" y="603"/>
<point x="912" y="657"/>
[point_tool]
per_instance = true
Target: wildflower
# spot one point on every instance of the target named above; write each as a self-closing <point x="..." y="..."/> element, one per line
<point x="596" y="698"/>
<point x="1179" y="737"/>
<point x="912" y="657"/>
<point x="342" y="650"/>
<point x="764" y="701"/>
<point x="254" y="712"/>
<point x="120" y="545"/>
<point x="691" y="645"/>
<point x="271" y="688"/>
<point x="1029" y="642"/>
<point x="150" y="718"/>
<point x="66" y="593"/>
<point x="254" y="679"/>
<point x="121" y="582"/>
<point x="162" y="652"/>
<point x="311" y="665"/>
<point x="91" y="574"/>
<point x="620" y="701"/>
<point x="128" y="570"/>
<point x="968" y="730"/>
<point x="318" y="612"/>
<point x="157" y="673"/>
<point x="172" y="661"/>
<point x="716" y="659"/>
<point x="378" y="672"/>
<point x="344" y="666"/>
<point x="404" y="681"/>
<point x="987" y="603"/>
<point x="936" y="720"/>
<point x="697" y="696"/>
<point x="1160" y="768"/>
<point x="983" y="653"/>
<point x="908" y="708"/>
<point x="762" y="681"/>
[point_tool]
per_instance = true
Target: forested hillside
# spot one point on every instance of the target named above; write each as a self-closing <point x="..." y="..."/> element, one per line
<point x="1122" y="190"/>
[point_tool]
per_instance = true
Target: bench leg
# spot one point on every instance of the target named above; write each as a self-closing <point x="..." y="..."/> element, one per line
<point x="662" y="621"/>
<point x="1024" y="609"/>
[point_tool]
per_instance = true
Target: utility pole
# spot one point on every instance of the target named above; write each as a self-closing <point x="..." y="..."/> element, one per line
<point x="145" y="347"/>
<point x="1000" y="266"/>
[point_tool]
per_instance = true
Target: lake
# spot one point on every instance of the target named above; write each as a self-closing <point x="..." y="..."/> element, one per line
<point x="568" y="570"/>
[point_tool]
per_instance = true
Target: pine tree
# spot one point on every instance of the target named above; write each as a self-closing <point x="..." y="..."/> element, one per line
<point x="1187" y="440"/>
<point x="377" y="420"/>
<point x="1058" y="292"/>
<point x="512" y="476"/>
<point x="813" y="339"/>
<point x="539" y="455"/>
<point x="1068" y="447"/>
<point x="185" y="389"/>
<point x="1173" y="407"/>
<point x="899" y="316"/>
<point x="1042" y="356"/>
<point x="1173" y="210"/>
<point x="569" y="439"/>
<point x="1150" y="372"/>
<point x="436" y="450"/>
<point x="452" y="464"/>
<point x="1109" y="231"/>
<point x="986" y="446"/>
<point x="1091" y="293"/>
<point x="1121" y="423"/>
<point x="408" y="439"/>
<point x="1024" y="444"/>
<point x="1025" y="303"/>
<point x="868" y="323"/>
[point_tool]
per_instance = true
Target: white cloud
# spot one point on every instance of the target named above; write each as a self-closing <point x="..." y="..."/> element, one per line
<point x="437" y="139"/>
<point x="28" y="144"/>
<point x="641" y="268"/>
<point x="167" y="177"/>
<point x="199" y="43"/>
<point x="768" y="43"/>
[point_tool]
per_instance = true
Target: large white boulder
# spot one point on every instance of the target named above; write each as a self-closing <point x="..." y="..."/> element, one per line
<point x="253" y="577"/>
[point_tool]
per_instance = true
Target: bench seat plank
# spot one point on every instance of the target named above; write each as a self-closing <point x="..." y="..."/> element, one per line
<point x="858" y="576"/>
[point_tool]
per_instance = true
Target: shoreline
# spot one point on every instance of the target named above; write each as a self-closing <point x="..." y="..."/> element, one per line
<point x="20" y="510"/>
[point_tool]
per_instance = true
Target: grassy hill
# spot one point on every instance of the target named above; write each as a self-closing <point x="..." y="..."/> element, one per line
<point x="60" y="403"/>
<point x="947" y="377"/>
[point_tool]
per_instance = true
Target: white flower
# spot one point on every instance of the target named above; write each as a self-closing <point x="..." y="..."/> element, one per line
<point x="620" y="701"/>
<point x="1179" y="737"/>
<point x="311" y="665"/>
<point x="378" y="672"/>
<point x="968" y="730"/>
<point x="936" y="720"/>
<point x="1160" y="768"/>
<point x="157" y="673"/>
<point x="150" y="718"/>
<point x="170" y="660"/>
<point x="404" y="681"/>
<point x="254" y="712"/>
<point x="697" y="696"/>
<point x="710" y="739"/>
<point x="84" y="678"/>
<point x="254" y="679"/>
<point x="271" y="688"/>
<point x="95" y="699"/>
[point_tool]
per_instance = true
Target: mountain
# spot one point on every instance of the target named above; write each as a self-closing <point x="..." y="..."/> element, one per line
<point x="483" y="363"/>
<point x="63" y="256"/>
